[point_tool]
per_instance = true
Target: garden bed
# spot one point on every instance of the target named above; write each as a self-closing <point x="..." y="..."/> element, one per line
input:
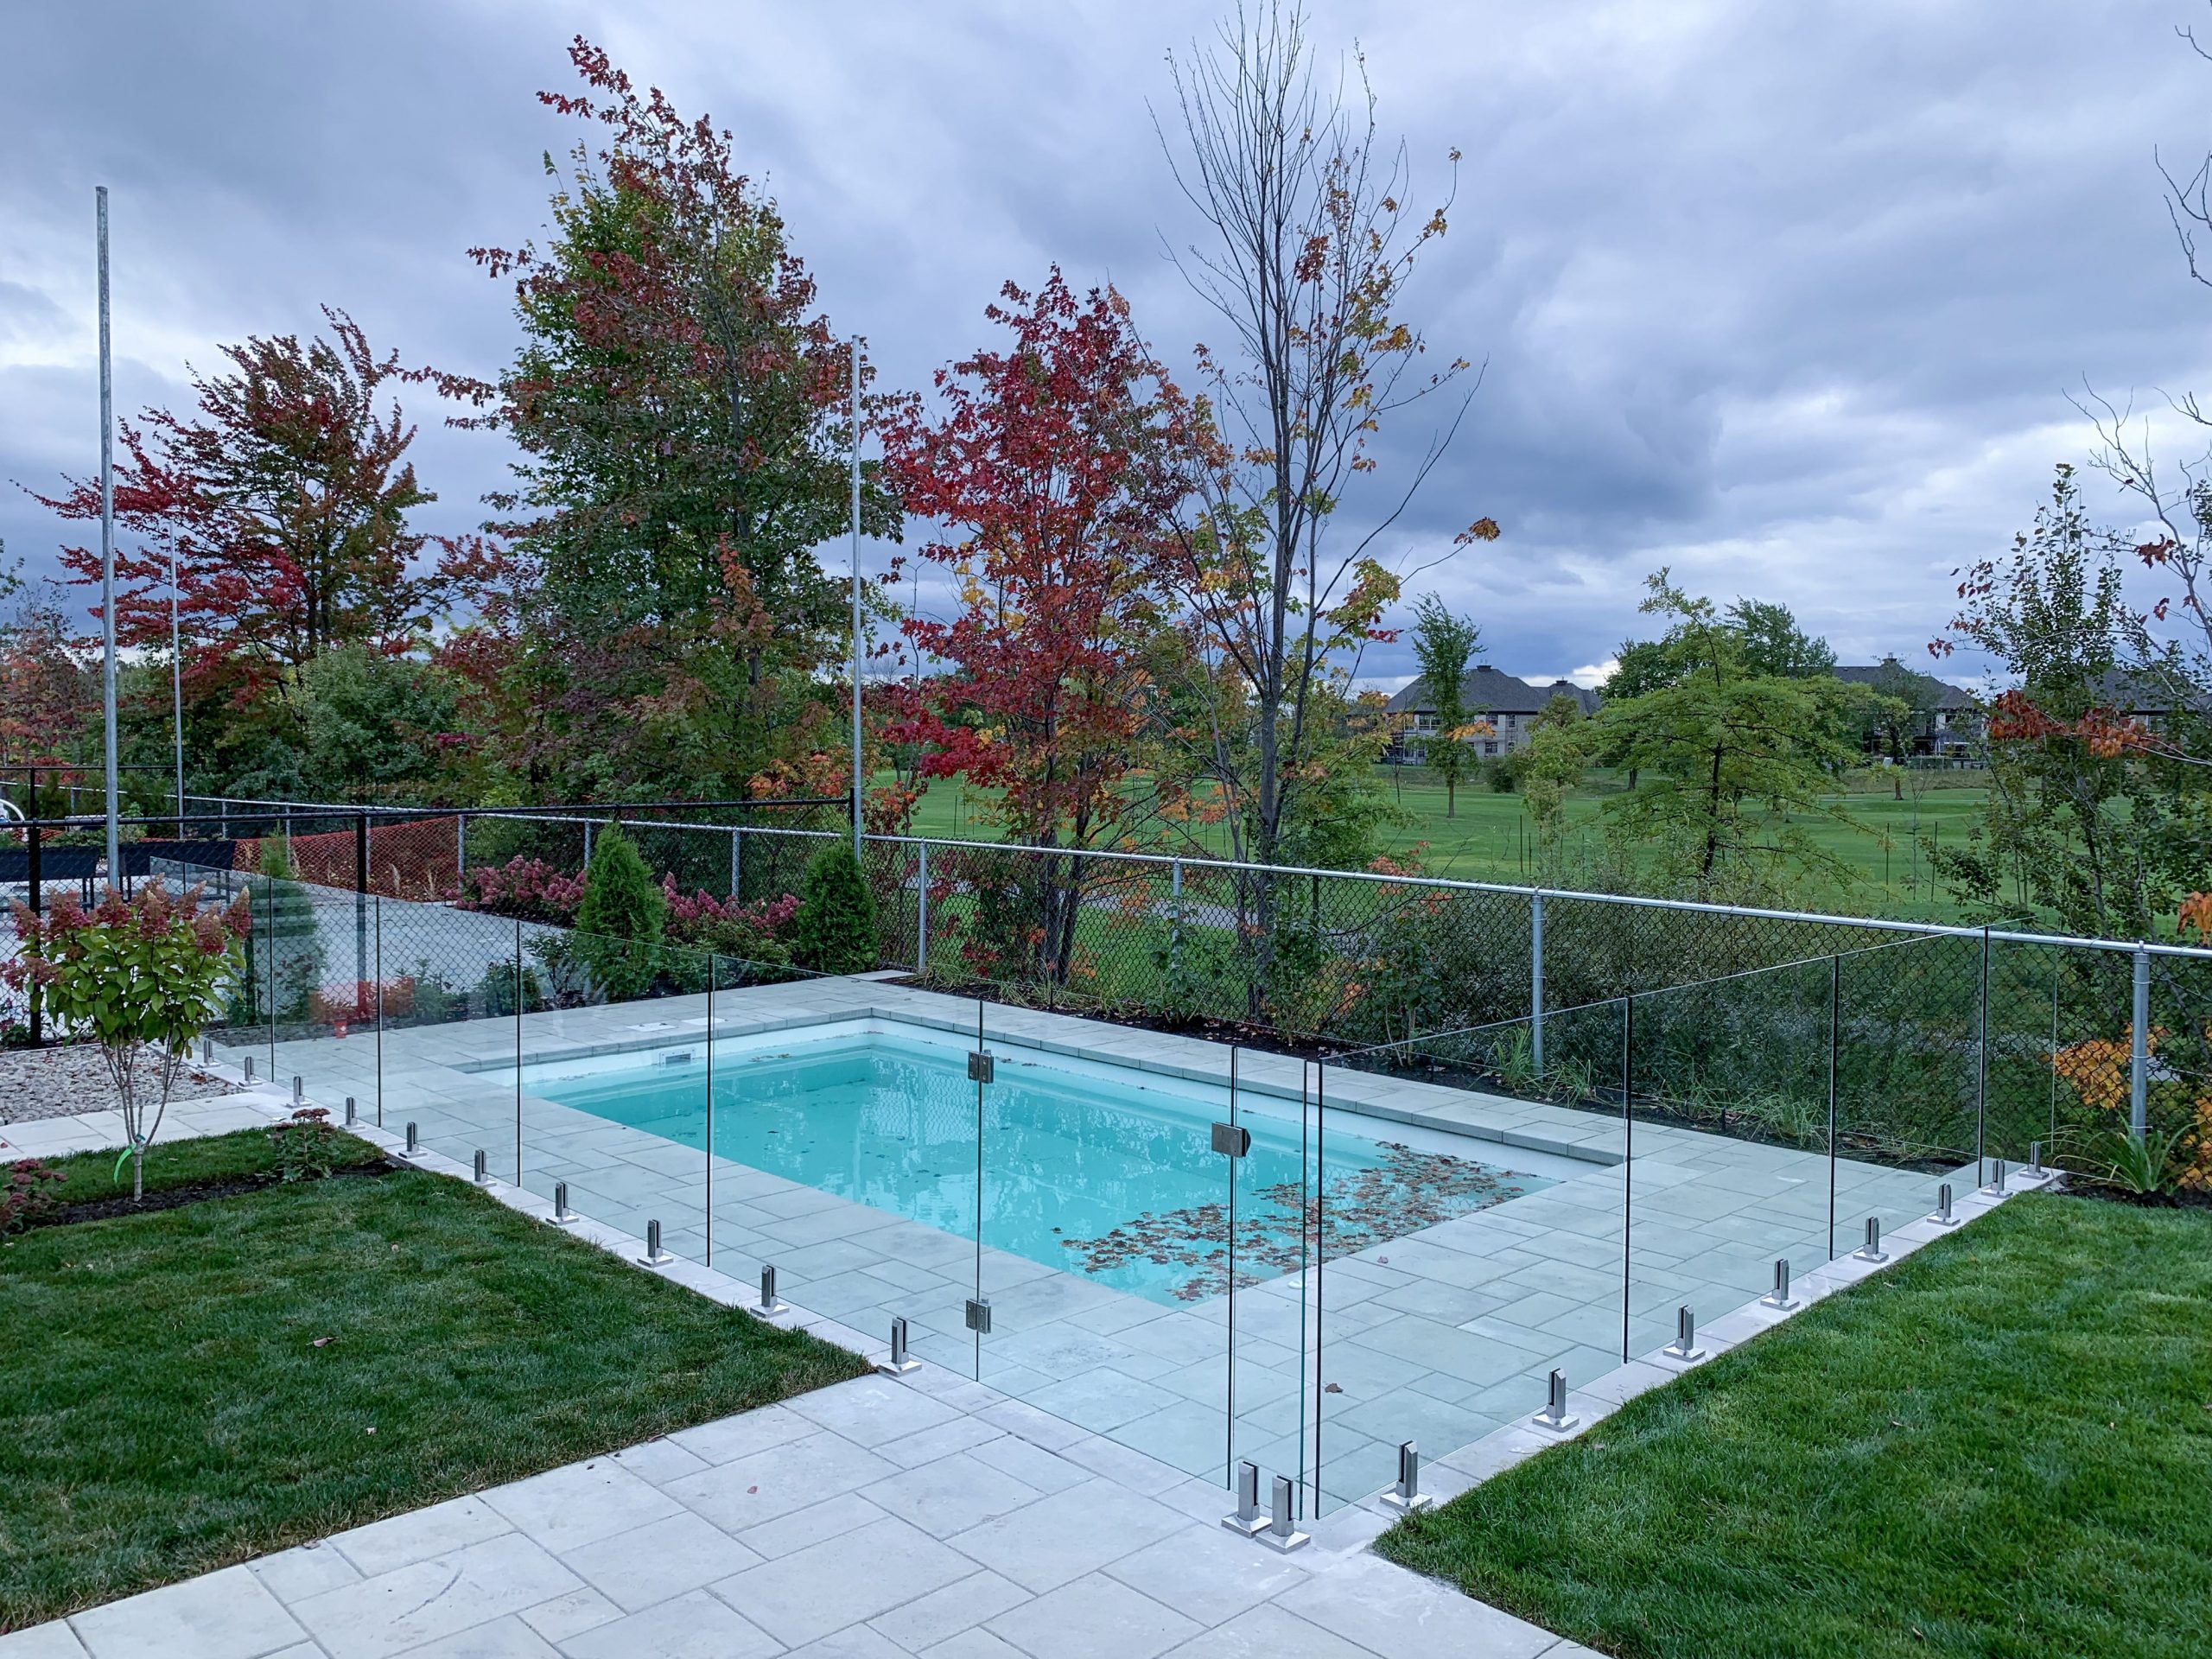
<point x="183" y="1389"/>
<point x="1998" y="1447"/>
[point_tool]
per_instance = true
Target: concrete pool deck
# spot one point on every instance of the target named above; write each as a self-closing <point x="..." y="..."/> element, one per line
<point x="931" y="1514"/>
<point x="1440" y="1335"/>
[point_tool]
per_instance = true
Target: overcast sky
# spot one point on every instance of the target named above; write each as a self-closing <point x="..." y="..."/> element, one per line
<point x="1786" y="295"/>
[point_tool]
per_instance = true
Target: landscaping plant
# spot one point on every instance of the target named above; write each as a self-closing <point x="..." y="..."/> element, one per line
<point x="620" y="919"/>
<point x="142" y="977"/>
<point x="835" y="930"/>
<point x="25" y="1197"/>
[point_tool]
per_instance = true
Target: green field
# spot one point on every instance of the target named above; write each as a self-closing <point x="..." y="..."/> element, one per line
<point x="1490" y="837"/>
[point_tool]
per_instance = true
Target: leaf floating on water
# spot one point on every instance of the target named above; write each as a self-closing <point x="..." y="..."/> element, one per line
<point x="1333" y="1388"/>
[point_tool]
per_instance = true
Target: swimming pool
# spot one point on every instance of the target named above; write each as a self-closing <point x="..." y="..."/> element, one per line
<point x="1094" y="1169"/>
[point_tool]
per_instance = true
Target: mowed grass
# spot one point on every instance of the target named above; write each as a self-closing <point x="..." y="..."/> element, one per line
<point x="1489" y="838"/>
<point x="2002" y="1446"/>
<point x="165" y="1408"/>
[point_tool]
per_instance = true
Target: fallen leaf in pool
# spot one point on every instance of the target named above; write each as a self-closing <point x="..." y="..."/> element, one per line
<point x="1333" y="1388"/>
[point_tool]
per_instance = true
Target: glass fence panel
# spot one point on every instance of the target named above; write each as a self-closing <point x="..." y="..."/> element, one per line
<point x="1468" y="1240"/>
<point x="847" y="1147"/>
<point x="1729" y="1084"/>
<point x="325" y="941"/>
<point x="1267" y="1239"/>
<point x="1910" y="1109"/>
<point x="1102" y="1246"/>
<point x="449" y="986"/>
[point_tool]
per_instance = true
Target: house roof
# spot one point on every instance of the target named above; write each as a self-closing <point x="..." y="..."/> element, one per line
<point x="1487" y="691"/>
<point x="1941" y="694"/>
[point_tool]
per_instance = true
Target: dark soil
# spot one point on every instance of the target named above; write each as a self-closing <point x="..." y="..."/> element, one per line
<point x="2087" y="1186"/>
<point x="175" y="1197"/>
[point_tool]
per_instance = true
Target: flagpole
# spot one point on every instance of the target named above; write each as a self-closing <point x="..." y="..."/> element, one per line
<point x="107" y="559"/>
<point x="177" y="692"/>
<point x="856" y="598"/>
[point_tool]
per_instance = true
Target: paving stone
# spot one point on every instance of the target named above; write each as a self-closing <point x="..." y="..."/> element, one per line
<point x="974" y="1644"/>
<point x="801" y="1597"/>
<point x="1060" y="1538"/>
<point x="660" y="1461"/>
<point x="421" y="1602"/>
<point x="1093" y="1618"/>
<point x="795" y="1476"/>
<point x="855" y="1642"/>
<point x="52" y="1641"/>
<point x="570" y="1613"/>
<point x="563" y="1508"/>
<point x="693" y="1626"/>
<point x="871" y="1410"/>
<point x="1209" y="1573"/>
<point x="959" y="1606"/>
<point x="728" y="1439"/>
<point x="1399" y="1615"/>
<point x="226" y="1615"/>
<point x="659" y="1559"/>
<point x="502" y="1638"/>
<point x="950" y="1495"/>
<point x="404" y="1539"/>
<point x="1268" y="1632"/>
<point x="294" y="1574"/>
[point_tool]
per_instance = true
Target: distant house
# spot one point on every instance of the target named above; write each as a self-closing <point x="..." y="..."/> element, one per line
<point x="1946" y="720"/>
<point x="1505" y="703"/>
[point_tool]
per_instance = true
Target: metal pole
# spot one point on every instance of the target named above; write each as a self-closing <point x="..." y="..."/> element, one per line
<point x="2139" y="1049"/>
<point x="921" y="913"/>
<point x="107" y="555"/>
<point x="1835" y="1031"/>
<point x="856" y="598"/>
<point x="1536" y="979"/>
<point x="733" y="857"/>
<point x="1982" y="1065"/>
<point x="1628" y="1158"/>
<point x="177" y="692"/>
<point x="38" y="888"/>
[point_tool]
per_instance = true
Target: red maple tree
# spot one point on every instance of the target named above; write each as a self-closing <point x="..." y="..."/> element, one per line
<point x="1054" y="468"/>
<point x="282" y="499"/>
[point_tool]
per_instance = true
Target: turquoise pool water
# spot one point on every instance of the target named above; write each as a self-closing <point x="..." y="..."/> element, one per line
<point x="1093" y="1170"/>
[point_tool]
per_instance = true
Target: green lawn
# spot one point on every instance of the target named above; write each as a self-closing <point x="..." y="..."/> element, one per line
<point x="2002" y="1446"/>
<point x="165" y="1408"/>
<point x="1488" y="837"/>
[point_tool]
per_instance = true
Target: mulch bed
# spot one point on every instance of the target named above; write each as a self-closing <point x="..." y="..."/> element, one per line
<point x="175" y="1197"/>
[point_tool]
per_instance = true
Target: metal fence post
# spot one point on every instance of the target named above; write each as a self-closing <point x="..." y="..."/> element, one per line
<point x="922" y="911"/>
<point x="1981" y="1064"/>
<point x="360" y="903"/>
<point x="1536" y="979"/>
<point x="737" y="857"/>
<point x="460" y="850"/>
<point x="588" y="830"/>
<point x="2138" y="1049"/>
<point x="37" y="876"/>
<point x="1175" y="932"/>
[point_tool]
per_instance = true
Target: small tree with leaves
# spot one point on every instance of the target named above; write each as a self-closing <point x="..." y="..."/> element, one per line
<point x="143" y="978"/>
<point x="1446" y="645"/>
<point x="835" y="930"/>
<point x="620" y="918"/>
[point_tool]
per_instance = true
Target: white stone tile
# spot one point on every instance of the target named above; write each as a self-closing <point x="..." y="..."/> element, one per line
<point x="693" y="1626"/>
<point x="51" y="1641"/>
<point x="1209" y="1573"/>
<point x="293" y="1574"/>
<point x="1093" y="1618"/>
<point x="950" y="1495"/>
<point x="1062" y="1537"/>
<point x="404" y="1539"/>
<point x="658" y="1560"/>
<point x="563" y="1508"/>
<point x="1399" y="1615"/>
<point x="502" y="1638"/>
<point x="803" y="1596"/>
<point x="429" y="1599"/>
<point x="748" y="1490"/>
<point x="1268" y="1632"/>
<point x="960" y="1605"/>
<point x="225" y="1615"/>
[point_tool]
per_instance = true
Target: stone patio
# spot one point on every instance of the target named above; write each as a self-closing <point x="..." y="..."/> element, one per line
<point x="929" y="1515"/>
<point x="1440" y="1335"/>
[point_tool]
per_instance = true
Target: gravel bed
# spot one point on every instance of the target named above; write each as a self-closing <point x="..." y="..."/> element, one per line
<point x="37" y="1083"/>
